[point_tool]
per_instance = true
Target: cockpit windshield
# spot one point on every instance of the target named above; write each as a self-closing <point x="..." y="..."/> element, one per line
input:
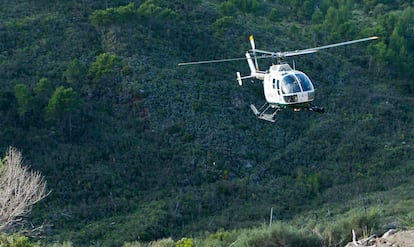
<point x="290" y="84"/>
<point x="296" y="83"/>
<point x="304" y="82"/>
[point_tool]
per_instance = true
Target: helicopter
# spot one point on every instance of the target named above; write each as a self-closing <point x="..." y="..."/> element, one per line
<point x="283" y="86"/>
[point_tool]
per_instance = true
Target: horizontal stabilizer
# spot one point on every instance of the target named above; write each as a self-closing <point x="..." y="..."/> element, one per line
<point x="239" y="79"/>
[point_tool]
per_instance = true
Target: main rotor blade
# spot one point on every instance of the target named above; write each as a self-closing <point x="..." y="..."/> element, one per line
<point x="310" y="50"/>
<point x="296" y="53"/>
<point x="213" y="61"/>
<point x="218" y="60"/>
<point x="280" y="54"/>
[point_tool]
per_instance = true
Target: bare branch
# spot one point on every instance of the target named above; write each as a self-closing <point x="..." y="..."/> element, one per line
<point x="20" y="189"/>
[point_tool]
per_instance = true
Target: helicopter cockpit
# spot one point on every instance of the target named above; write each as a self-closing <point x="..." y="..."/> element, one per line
<point x="296" y="87"/>
<point x="295" y="83"/>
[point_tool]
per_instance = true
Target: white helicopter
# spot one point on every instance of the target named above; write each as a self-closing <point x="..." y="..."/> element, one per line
<point x="283" y="86"/>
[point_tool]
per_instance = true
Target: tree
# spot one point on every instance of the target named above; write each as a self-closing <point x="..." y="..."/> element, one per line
<point x="62" y="104"/>
<point x="305" y="11"/>
<point x="22" y="94"/>
<point x="43" y="90"/>
<point x="20" y="189"/>
<point x="113" y="16"/>
<point x="150" y="10"/>
<point x="338" y="23"/>
<point x="395" y="51"/>
<point x="75" y="72"/>
<point x="44" y="87"/>
<point x="228" y="8"/>
<point x="106" y="66"/>
<point x="317" y="16"/>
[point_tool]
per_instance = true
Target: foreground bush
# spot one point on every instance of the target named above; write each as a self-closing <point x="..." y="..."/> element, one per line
<point x="15" y="241"/>
<point x="278" y="235"/>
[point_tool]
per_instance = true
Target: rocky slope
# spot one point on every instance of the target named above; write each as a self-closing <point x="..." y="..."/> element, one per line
<point x="392" y="238"/>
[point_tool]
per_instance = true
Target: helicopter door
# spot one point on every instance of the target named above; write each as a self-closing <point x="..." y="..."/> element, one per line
<point x="270" y="89"/>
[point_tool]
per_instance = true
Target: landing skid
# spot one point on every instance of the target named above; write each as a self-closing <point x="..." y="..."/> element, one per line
<point x="266" y="112"/>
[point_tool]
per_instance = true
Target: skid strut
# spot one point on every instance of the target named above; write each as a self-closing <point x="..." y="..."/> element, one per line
<point x="266" y="111"/>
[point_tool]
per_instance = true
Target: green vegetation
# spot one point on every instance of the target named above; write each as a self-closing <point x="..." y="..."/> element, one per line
<point x="141" y="152"/>
<point x="15" y="241"/>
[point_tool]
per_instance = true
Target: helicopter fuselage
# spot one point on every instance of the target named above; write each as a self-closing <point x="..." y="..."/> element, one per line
<point x="287" y="87"/>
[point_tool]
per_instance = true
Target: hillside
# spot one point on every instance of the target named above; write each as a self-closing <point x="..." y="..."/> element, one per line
<point x="135" y="147"/>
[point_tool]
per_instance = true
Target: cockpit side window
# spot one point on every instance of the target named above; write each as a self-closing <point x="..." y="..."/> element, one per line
<point x="304" y="82"/>
<point x="278" y="87"/>
<point x="290" y="85"/>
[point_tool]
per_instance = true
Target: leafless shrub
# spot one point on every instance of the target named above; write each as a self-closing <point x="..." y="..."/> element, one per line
<point x="20" y="189"/>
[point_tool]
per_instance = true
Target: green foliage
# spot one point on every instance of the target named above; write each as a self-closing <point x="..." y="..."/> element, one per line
<point x="279" y="235"/>
<point x="114" y="16"/>
<point x="105" y="67"/>
<point x="228" y="8"/>
<point x="221" y="236"/>
<point x="150" y="10"/>
<point x="43" y="91"/>
<point x="317" y="16"/>
<point x="63" y="102"/>
<point x="44" y="88"/>
<point x="15" y="241"/>
<point x="127" y="71"/>
<point x="75" y="72"/>
<point x="185" y="242"/>
<point x="167" y="242"/>
<point x="364" y="224"/>
<point x="247" y="6"/>
<point x="23" y="98"/>
<point x="64" y="244"/>
<point x="395" y="48"/>
<point x="220" y="26"/>
<point x="161" y="151"/>
<point x="337" y="23"/>
<point x="305" y="11"/>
